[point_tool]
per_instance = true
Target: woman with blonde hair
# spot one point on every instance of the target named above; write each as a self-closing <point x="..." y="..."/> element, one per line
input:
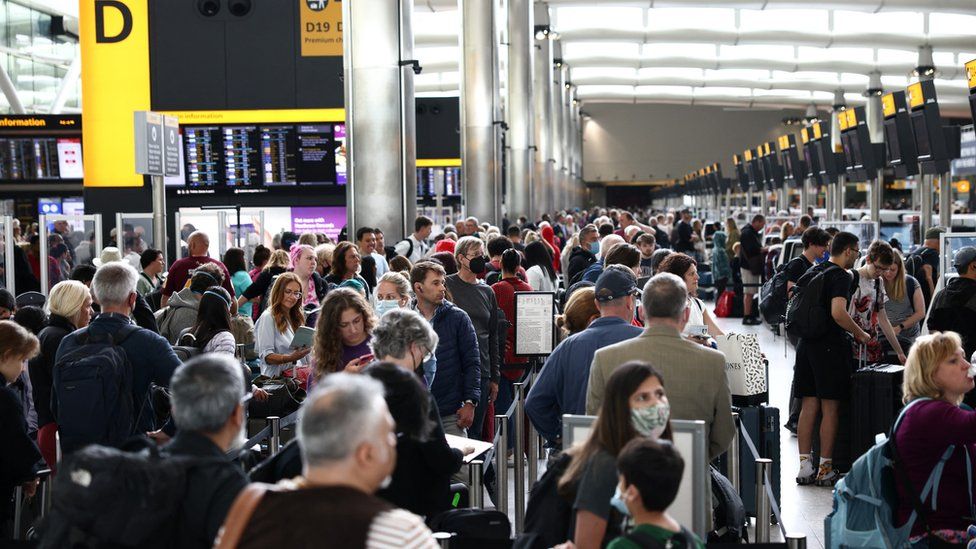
<point x="906" y="302"/>
<point x="343" y="332"/>
<point x="278" y="263"/>
<point x="275" y="330"/>
<point x="933" y="426"/>
<point x="579" y="312"/>
<point x="70" y="308"/>
<point x="732" y="230"/>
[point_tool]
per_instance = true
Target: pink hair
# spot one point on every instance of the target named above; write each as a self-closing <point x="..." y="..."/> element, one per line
<point x="296" y="252"/>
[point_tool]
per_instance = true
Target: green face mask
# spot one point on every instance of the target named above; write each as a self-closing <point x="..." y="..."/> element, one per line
<point x="652" y="420"/>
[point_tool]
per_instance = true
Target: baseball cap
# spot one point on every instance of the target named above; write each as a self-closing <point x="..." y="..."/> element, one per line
<point x="614" y="283"/>
<point x="933" y="233"/>
<point x="962" y="258"/>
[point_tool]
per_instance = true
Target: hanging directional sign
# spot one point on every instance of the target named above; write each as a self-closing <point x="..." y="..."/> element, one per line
<point x="171" y="145"/>
<point x="149" y="142"/>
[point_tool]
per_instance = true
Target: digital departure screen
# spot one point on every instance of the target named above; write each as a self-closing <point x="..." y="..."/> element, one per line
<point x="48" y="158"/>
<point x="427" y="179"/>
<point x="255" y="156"/>
<point x="921" y="133"/>
<point x="893" y="145"/>
<point x="452" y="182"/>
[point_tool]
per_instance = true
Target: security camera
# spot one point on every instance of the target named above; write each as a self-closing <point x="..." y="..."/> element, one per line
<point x="239" y="8"/>
<point x="208" y="8"/>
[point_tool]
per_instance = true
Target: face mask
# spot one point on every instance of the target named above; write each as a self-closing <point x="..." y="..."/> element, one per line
<point x="824" y="257"/>
<point x="430" y="369"/>
<point x="617" y="502"/>
<point x="652" y="420"/>
<point x="595" y="247"/>
<point x="385" y="305"/>
<point x="972" y="371"/>
<point x="386" y="482"/>
<point x="478" y="265"/>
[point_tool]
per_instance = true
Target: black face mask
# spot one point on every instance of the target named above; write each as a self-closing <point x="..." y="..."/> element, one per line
<point x="478" y="265"/>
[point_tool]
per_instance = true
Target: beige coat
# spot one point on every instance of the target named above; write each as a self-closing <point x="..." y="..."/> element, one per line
<point x="694" y="379"/>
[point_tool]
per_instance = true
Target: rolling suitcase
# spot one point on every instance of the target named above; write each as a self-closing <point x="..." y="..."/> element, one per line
<point x="761" y="423"/>
<point x="875" y="401"/>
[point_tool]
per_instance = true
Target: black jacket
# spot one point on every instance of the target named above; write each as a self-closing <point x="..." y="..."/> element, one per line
<point x="954" y="308"/>
<point x="20" y="454"/>
<point x="751" y="250"/>
<point x="41" y="367"/>
<point x="211" y="489"/>
<point x="422" y="478"/>
<point x="579" y="260"/>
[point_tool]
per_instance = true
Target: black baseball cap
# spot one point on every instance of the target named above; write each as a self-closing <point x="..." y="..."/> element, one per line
<point x="615" y="282"/>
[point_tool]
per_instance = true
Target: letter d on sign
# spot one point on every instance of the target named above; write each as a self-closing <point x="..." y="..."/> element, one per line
<point x="100" y="6"/>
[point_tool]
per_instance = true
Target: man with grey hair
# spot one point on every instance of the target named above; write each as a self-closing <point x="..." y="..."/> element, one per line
<point x="348" y="445"/>
<point x="198" y="247"/>
<point x="406" y="339"/>
<point x="207" y="396"/>
<point x="694" y="375"/>
<point x="150" y="356"/>
<point x="476" y="298"/>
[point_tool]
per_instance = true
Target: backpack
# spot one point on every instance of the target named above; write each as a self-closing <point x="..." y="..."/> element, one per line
<point x="92" y="391"/>
<point x="108" y="497"/>
<point x="807" y="313"/>
<point x="406" y="254"/>
<point x="680" y="540"/>
<point x="473" y="525"/>
<point x="914" y="264"/>
<point x="548" y="515"/>
<point x="728" y="511"/>
<point x="865" y="500"/>
<point x="773" y="296"/>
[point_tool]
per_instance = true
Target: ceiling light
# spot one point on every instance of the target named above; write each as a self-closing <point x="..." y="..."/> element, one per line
<point x="926" y="66"/>
<point x="542" y="32"/>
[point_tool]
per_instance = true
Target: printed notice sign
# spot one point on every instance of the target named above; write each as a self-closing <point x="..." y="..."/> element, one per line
<point x="321" y="31"/>
<point x="534" y="332"/>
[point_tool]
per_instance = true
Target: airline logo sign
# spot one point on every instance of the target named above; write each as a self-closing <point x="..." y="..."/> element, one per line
<point x="915" y="96"/>
<point x="888" y="105"/>
<point x="971" y="75"/>
<point x="321" y="30"/>
<point x="115" y="76"/>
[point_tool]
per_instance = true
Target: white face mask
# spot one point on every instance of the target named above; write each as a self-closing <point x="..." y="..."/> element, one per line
<point x="385" y="305"/>
<point x="386" y="482"/>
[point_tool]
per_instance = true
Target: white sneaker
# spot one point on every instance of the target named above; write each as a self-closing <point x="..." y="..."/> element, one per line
<point x="827" y="476"/>
<point x="807" y="474"/>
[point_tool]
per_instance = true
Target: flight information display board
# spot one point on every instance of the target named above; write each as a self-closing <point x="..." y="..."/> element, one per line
<point x="40" y="148"/>
<point x="256" y="156"/>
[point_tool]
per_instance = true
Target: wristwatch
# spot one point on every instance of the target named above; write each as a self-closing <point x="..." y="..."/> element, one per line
<point x="469" y="401"/>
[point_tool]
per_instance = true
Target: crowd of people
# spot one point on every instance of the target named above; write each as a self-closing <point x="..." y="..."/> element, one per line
<point x="386" y="348"/>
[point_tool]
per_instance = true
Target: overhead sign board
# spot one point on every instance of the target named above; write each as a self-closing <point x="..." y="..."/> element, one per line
<point x="171" y="146"/>
<point x="157" y="140"/>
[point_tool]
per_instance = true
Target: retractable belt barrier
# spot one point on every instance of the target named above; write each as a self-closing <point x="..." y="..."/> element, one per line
<point x="272" y="432"/>
<point x="44" y="489"/>
<point x="765" y="500"/>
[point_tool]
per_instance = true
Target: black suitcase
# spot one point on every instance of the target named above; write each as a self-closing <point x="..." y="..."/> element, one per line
<point x="875" y="402"/>
<point x="762" y="425"/>
<point x="474" y="528"/>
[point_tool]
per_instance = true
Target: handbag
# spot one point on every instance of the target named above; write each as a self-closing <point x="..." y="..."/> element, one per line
<point x="723" y="307"/>
<point x="285" y="396"/>
<point x="746" y="368"/>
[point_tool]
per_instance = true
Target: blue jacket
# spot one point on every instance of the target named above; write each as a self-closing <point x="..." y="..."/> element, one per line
<point x="458" y="359"/>
<point x="593" y="272"/>
<point x="151" y="356"/>
<point x="562" y="383"/>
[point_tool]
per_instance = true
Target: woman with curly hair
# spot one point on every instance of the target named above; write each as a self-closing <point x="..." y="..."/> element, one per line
<point x="342" y="333"/>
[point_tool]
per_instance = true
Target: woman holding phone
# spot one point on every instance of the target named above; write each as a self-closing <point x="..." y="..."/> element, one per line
<point x="342" y="333"/>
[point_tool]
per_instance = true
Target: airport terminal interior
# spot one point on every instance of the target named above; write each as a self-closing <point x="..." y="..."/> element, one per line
<point x="487" y="274"/>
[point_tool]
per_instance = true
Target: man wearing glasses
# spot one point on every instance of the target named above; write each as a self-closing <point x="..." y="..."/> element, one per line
<point x="822" y="375"/>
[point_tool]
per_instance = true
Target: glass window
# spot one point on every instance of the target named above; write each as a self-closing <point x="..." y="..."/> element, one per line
<point x="602" y="17"/>
<point x="659" y="19"/>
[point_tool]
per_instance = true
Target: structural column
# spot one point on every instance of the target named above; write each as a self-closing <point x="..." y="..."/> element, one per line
<point x="542" y="184"/>
<point x="480" y="183"/>
<point x="521" y="133"/>
<point x="876" y="129"/>
<point x="564" y="112"/>
<point x="380" y="119"/>
<point x="558" y="132"/>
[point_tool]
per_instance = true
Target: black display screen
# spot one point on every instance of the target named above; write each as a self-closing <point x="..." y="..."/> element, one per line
<point x="892" y="142"/>
<point x="261" y="155"/>
<point x="920" y="130"/>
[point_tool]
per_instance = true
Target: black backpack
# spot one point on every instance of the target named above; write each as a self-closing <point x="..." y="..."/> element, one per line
<point x="773" y="298"/>
<point x="92" y="391"/>
<point x="548" y="515"/>
<point x="109" y="497"/>
<point x="728" y="511"/>
<point x="807" y="311"/>
<point x="680" y="540"/>
<point x="473" y="525"/>
<point x="914" y="264"/>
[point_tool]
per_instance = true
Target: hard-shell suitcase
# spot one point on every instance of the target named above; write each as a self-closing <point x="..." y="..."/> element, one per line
<point x="875" y="401"/>
<point x="761" y="423"/>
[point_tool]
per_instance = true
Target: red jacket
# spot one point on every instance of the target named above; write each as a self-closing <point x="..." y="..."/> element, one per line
<point x="505" y="294"/>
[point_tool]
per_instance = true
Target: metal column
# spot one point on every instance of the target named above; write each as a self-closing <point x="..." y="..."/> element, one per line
<point x="519" y="109"/>
<point x="478" y="109"/>
<point x="945" y="200"/>
<point x="566" y="135"/>
<point x="750" y="207"/>
<point x="159" y="216"/>
<point x="542" y="184"/>
<point x="875" y="115"/>
<point x="764" y="201"/>
<point x="876" y="195"/>
<point x="840" y="197"/>
<point x="556" y="127"/>
<point x="925" y="183"/>
<point x="10" y="92"/>
<point x="804" y="195"/>
<point x="380" y="119"/>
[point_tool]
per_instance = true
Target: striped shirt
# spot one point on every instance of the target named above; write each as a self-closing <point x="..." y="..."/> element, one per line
<point x="399" y="529"/>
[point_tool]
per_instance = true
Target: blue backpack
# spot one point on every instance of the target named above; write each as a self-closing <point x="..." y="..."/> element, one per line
<point x="866" y="499"/>
<point x="92" y="386"/>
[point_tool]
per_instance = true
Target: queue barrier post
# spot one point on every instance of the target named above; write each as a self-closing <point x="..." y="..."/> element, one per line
<point x="18" y="510"/>
<point x="519" y="459"/>
<point x="46" y="484"/>
<point x="501" y="465"/>
<point x="733" y="456"/>
<point x="762" y="500"/>
<point x="477" y="499"/>
<point x="796" y="541"/>
<point x="274" y="441"/>
<point x="443" y="539"/>
<point x="533" y="450"/>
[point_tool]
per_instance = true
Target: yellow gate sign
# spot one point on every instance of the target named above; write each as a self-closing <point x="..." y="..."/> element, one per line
<point x="321" y="22"/>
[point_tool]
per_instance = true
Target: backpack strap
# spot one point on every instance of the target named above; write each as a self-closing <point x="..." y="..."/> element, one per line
<point x="680" y="539"/>
<point x="239" y="515"/>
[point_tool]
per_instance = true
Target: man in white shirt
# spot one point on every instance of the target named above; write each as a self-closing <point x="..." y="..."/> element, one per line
<point x="415" y="246"/>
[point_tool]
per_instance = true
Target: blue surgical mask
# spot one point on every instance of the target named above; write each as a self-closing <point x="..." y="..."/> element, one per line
<point x="824" y="257"/>
<point x="383" y="306"/>
<point x="430" y="369"/>
<point x="595" y="247"/>
<point x="617" y="502"/>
